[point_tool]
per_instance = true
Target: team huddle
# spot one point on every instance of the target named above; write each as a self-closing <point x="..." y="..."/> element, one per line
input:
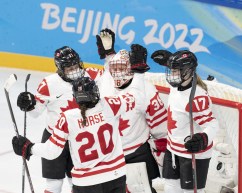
<point x="105" y="127"/>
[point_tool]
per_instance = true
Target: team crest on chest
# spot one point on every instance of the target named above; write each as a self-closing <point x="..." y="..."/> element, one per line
<point x="71" y="104"/>
<point x="130" y="101"/>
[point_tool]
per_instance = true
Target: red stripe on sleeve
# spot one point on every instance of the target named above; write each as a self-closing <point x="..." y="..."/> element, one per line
<point x="55" y="142"/>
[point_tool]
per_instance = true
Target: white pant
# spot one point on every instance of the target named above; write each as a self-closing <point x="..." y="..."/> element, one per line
<point x="55" y="185"/>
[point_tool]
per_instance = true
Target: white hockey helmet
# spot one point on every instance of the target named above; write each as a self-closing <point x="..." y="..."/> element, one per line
<point x="120" y="68"/>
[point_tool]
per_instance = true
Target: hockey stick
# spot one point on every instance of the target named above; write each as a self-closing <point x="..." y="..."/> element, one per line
<point x="25" y="118"/>
<point x="193" y="90"/>
<point x="8" y="84"/>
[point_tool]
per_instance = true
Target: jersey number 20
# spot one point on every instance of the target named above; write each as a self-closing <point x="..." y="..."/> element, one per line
<point x="105" y="147"/>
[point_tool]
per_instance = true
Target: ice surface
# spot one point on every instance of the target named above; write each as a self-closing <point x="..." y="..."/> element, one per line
<point x="11" y="164"/>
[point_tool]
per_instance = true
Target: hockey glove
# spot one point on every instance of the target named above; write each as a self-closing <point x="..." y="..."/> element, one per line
<point x="105" y="43"/>
<point x="198" y="142"/>
<point x="160" y="144"/>
<point x="137" y="58"/>
<point x="161" y="57"/>
<point x="22" y="146"/>
<point x="26" y="101"/>
<point x="158" y="148"/>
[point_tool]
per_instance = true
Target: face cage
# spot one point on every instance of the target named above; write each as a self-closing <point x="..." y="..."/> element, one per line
<point x="174" y="79"/>
<point x="75" y="74"/>
<point x="121" y="73"/>
<point x="180" y="76"/>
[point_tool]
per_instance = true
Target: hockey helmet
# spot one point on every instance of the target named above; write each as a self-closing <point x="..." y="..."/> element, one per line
<point x="67" y="57"/>
<point x="180" y="67"/>
<point x="120" y="68"/>
<point x="86" y="92"/>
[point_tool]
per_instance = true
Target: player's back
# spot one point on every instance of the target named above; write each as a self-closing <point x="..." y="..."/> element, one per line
<point x="96" y="148"/>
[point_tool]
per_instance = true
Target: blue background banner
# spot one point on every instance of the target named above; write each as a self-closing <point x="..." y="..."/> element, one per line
<point x="228" y="3"/>
<point x="212" y="32"/>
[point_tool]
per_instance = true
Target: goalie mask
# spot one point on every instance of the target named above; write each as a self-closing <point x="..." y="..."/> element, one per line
<point x="180" y="67"/>
<point x="120" y="68"/>
<point x="86" y="92"/>
<point x="69" y="65"/>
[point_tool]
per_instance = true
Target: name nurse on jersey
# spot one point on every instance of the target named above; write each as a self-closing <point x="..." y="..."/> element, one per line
<point x="91" y="120"/>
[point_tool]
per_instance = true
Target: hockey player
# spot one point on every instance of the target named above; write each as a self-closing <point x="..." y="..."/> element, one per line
<point x="177" y="167"/>
<point x="92" y="131"/>
<point x="135" y="128"/>
<point x="54" y="95"/>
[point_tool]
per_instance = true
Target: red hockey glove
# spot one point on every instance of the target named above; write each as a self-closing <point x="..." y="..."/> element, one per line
<point x="105" y="43"/>
<point x="158" y="148"/>
<point x="160" y="144"/>
<point x="161" y="57"/>
<point x="198" y="142"/>
<point x="137" y="58"/>
<point x="22" y="146"/>
<point x="26" y="101"/>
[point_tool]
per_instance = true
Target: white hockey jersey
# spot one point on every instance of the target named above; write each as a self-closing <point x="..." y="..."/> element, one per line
<point x="135" y="127"/>
<point x="179" y="121"/>
<point x="55" y="96"/>
<point x="96" y="149"/>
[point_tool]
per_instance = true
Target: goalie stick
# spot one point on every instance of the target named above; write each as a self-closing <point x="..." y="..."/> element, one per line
<point x="8" y="84"/>
<point x="25" y="123"/>
<point x="193" y="90"/>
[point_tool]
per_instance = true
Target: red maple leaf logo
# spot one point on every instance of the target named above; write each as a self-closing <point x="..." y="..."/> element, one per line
<point x="71" y="105"/>
<point x="123" y="124"/>
<point x="93" y="72"/>
<point x="171" y="124"/>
